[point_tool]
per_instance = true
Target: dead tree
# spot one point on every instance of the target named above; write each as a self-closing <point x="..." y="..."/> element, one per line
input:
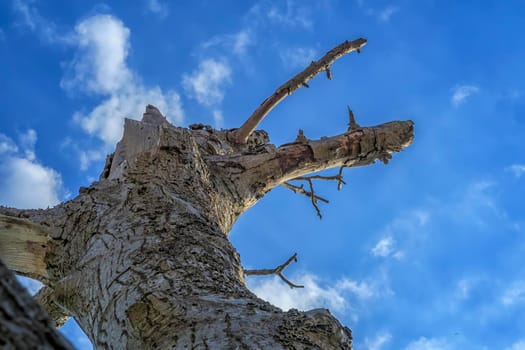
<point x="141" y="258"/>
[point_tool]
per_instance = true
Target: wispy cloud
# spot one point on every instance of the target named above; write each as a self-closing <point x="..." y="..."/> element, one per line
<point x="377" y="342"/>
<point x="461" y="93"/>
<point x="517" y="169"/>
<point x="386" y="248"/>
<point x="218" y="118"/>
<point x="407" y="225"/>
<point x="24" y="182"/>
<point x="519" y="345"/>
<point x="382" y="14"/>
<point x="99" y="67"/>
<point x="206" y="84"/>
<point x="298" y="57"/>
<point x="288" y="13"/>
<point x="236" y="43"/>
<point x="385" y="14"/>
<point x="514" y="294"/>
<point x="30" y="18"/>
<point x="157" y="7"/>
<point x="424" y="343"/>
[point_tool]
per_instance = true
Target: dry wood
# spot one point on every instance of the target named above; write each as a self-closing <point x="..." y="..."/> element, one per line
<point x="23" y="246"/>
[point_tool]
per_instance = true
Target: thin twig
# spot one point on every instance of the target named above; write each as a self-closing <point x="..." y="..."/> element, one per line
<point x="301" y="190"/>
<point x="311" y="194"/>
<point x="276" y="271"/>
<point x="340" y="182"/>
<point x="301" y="79"/>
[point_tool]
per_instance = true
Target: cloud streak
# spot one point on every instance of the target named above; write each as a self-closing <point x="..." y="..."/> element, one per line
<point x="461" y="93"/>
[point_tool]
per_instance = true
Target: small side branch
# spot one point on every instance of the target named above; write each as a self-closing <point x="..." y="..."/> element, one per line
<point x="301" y="79"/>
<point x="311" y="194"/>
<point x="277" y="271"/>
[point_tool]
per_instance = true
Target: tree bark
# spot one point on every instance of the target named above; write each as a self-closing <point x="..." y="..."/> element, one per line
<point x="23" y="324"/>
<point x="142" y="259"/>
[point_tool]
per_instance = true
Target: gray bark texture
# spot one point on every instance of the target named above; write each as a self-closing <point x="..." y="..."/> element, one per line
<point x="141" y="258"/>
<point x="23" y="322"/>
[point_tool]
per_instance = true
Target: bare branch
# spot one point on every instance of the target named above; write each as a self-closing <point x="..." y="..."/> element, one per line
<point x="310" y="194"/>
<point x="276" y="271"/>
<point x="301" y="79"/>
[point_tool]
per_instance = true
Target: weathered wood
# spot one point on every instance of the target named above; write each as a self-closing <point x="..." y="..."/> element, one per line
<point x="23" y="246"/>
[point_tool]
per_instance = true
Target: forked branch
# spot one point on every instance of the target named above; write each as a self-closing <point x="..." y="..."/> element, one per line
<point x="277" y="271"/>
<point x="301" y="79"/>
<point x="311" y="194"/>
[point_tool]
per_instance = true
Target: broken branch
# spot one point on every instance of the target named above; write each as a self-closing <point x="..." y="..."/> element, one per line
<point x="301" y="79"/>
<point x="23" y="246"/>
<point x="276" y="271"/>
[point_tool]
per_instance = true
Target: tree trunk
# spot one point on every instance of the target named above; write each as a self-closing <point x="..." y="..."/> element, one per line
<point x="142" y="259"/>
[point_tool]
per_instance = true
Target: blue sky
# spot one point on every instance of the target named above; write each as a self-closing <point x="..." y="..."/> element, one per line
<point x="425" y="253"/>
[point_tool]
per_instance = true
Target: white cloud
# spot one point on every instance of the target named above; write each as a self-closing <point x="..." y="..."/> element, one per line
<point x="519" y="345"/>
<point x="310" y="297"/>
<point x="517" y="169"/>
<point x="514" y="294"/>
<point x="27" y="184"/>
<point x="206" y="84"/>
<point x="298" y="57"/>
<point x="377" y="342"/>
<point x="340" y="296"/>
<point x="384" y="247"/>
<point x="100" y="67"/>
<point x="157" y="7"/>
<point x="385" y="14"/>
<point x="461" y="93"/>
<point x="424" y="343"/>
<point x="24" y="182"/>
